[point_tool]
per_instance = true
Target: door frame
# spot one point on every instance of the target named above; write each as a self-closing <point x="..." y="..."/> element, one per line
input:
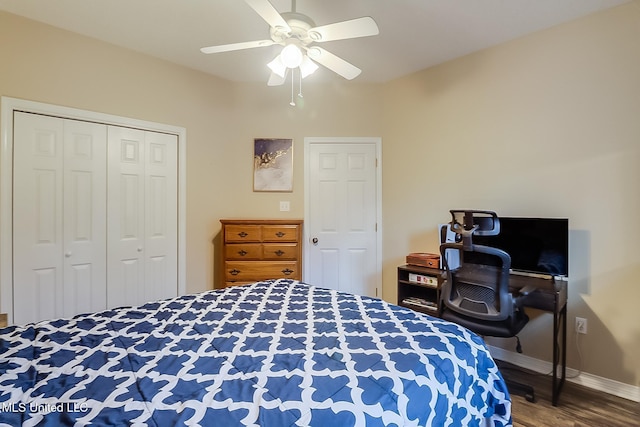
<point x="8" y="106"/>
<point x="377" y="141"/>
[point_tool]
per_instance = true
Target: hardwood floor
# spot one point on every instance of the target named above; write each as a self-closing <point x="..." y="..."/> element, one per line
<point x="578" y="406"/>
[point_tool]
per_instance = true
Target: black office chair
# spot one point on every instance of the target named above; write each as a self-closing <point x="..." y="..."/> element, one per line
<point x="475" y="293"/>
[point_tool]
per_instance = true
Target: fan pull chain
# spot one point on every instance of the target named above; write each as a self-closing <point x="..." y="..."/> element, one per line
<point x="300" y="91"/>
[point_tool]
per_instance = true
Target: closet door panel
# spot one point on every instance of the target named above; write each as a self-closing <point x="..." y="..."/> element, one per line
<point x="84" y="223"/>
<point x="161" y="215"/>
<point x="37" y="218"/>
<point x="125" y="210"/>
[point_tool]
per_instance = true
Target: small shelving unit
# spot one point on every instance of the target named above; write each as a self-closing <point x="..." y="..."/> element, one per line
<point x="419" y="288"/>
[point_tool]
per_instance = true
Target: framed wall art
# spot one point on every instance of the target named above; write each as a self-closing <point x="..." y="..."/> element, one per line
<point x="273" y="164"/>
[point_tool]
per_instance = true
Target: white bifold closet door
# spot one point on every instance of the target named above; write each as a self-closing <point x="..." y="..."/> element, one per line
<point x="142" y="216"/>
<point x="59" y="217"/>
<point x="94" y="217"/>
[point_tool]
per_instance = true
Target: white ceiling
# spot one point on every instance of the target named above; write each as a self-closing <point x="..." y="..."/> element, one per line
<point x="414" y="34"/>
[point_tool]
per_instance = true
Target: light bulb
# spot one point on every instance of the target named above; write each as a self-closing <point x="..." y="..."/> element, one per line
<point x="291" y="56"/>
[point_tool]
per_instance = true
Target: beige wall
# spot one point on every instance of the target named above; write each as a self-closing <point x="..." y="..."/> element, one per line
<point x="547" y="125"/>
<point x="44" y="64"/>
<point x="543" y="126"/>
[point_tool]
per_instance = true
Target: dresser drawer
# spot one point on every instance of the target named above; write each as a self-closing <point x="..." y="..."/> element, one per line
<point x="280" y="233"/>
<point x="246" y="271"/>
<point x="242" y="233"/>
<point x="240" y="251"/>
<point x="229" y="284"/>
<point x="280" y="251"/>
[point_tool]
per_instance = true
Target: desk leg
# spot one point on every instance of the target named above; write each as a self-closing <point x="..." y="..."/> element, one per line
<point x="559" y="317"/>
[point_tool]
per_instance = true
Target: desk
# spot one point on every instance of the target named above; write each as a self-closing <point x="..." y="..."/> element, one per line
<point x="551" y="296"/>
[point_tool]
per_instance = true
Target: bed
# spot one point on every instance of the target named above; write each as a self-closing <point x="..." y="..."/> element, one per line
<point x="273" y="353"/>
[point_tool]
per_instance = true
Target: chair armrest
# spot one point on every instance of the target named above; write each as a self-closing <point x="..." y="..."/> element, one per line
<point x="522" y="295"/>
<point x="526" y="290"/>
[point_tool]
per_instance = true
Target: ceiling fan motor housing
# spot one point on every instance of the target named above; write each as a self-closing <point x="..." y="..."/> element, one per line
<point x="300" y="25"/>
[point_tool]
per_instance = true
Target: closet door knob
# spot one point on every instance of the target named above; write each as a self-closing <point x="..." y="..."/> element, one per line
<point x="140" y="249"/>
<point x="67" y="254"/>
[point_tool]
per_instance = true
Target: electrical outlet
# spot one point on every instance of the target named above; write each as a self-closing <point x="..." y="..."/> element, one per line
<point x="581" y="325"/>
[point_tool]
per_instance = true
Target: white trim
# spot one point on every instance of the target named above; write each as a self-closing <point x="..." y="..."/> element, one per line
<point x="346" y="140"/>
<point x="8" y="106"/>
<point x="606" y="385"/>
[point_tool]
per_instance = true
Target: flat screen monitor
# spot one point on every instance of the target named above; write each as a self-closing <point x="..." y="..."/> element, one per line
<point x="536" y="245"/>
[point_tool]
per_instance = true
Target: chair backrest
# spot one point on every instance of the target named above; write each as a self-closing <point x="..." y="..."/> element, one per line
<point x="478" y="289"/>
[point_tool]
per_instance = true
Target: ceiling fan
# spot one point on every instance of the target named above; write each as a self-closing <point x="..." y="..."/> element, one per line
<point x="299" y="36"/>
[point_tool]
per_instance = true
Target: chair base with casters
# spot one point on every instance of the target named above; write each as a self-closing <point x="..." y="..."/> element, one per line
<point x="475" y="293"/>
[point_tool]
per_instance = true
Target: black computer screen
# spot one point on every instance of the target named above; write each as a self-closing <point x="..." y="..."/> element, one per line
<point x="536" y="245"/>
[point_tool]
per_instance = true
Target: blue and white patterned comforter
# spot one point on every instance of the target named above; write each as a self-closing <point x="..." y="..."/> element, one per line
<point x="275" y="353"/>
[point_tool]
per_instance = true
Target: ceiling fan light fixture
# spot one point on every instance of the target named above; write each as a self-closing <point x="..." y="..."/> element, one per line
<point x="307" y="67"/>
<point x="291" y="56"/>
<point x="277" y="66"/>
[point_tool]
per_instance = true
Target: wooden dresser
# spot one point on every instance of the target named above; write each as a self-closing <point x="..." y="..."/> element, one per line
<point x="256" y="250"/>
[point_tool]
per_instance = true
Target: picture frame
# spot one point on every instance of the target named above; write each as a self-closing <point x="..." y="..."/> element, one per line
<point x="272" y="165"/>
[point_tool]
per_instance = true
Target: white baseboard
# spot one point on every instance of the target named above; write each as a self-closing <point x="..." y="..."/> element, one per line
<point x="595" y="382"/>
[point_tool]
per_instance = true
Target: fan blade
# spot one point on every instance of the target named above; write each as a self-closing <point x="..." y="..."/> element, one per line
<point x="333" y="62"/>
<point x="236" y="46"/>
<point x="276" y="80"/>
<point x="360" y="27"/>
<point x="269" y="14"/>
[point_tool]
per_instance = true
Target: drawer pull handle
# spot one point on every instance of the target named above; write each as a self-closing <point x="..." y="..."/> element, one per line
<point x="287" y="272"/>
<point x="234" y="272"/>
<point x="242" y="234"/>
<point x="279" y="252"/>
<point x="280" y="234"/>
<point x="242" y="252"/>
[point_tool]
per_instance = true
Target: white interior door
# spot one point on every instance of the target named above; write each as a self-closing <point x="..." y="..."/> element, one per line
<point x="59" y="224"/>
<point x="343" y="214"/>
<point x="142" y="206"/>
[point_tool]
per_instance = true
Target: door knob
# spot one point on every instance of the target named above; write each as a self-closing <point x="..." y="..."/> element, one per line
<point x="314" y="240"/>
<point x="140" y="249"/>
<point x="67" y="254"/>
